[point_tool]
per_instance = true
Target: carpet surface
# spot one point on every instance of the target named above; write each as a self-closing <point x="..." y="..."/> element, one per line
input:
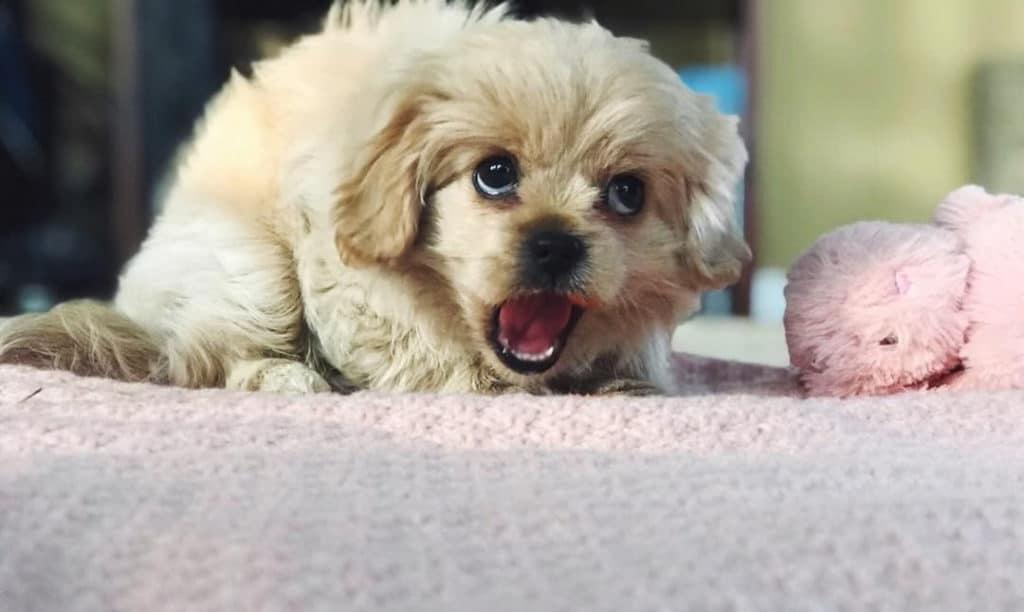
<point x="737" y="495"/>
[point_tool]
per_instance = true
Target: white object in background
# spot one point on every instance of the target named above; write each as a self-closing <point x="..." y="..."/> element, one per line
<point x="760" y="338"/>
<point x="767" y="300"/>
<point x="734" y="339"/>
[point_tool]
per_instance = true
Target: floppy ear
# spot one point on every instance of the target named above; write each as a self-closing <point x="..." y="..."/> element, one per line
<point x="715" y="248"/>
<point x="963" y="206"/>
<point x="383" y="184"/>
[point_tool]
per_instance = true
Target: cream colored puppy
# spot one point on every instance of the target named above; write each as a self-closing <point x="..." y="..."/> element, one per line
<point x="425" y="197"/>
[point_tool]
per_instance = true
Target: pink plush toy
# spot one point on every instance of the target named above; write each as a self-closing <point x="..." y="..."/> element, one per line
<point x="875" y="308"/>
<point x="991" y="228"/>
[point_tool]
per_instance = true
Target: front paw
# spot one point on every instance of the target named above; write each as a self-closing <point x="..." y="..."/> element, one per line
<point x="628" y="387"/>
<point x="276" y="376"/>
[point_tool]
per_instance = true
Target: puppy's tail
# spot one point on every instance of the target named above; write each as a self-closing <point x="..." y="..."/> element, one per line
<point x="85" y="337"/>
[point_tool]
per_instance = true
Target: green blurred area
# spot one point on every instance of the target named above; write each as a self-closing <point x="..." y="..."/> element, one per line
<point x="866" y="109"/>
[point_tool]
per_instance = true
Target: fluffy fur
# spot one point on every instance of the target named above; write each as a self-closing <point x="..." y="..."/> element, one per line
<point x="875" y="308"/>
<point x="990" y="228"/>
<point x="323" y="220"/>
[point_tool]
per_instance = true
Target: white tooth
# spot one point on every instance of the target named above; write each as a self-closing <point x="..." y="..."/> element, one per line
<point x="535" y="357"/>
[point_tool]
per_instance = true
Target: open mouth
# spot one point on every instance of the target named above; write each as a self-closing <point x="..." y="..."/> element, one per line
<point x="528" y="332"/>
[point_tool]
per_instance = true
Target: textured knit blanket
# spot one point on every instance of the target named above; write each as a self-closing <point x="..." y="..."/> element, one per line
<point x="736" y="496"/>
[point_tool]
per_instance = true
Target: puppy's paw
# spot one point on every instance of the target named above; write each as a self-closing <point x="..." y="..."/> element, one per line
<point x="276" y="376"/>
<point x="629" y="387"/>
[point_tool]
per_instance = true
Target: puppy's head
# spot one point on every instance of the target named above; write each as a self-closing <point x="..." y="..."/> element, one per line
<point x="567" y="187"/>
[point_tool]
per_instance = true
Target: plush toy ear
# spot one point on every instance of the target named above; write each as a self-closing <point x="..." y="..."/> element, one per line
<point x="962" y="207"/>
<point x="383" y="184"/>
<point x="903" y="282"/>
<point x="715" y="243"/>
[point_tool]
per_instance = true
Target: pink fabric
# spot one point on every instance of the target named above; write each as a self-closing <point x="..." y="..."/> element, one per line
<point x="991" y="229"/>
<point x="738" y="495"/>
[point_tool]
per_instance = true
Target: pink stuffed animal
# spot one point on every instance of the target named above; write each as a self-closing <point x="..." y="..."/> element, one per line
<point x="991" y="228"/>
<point x="875" y="308"/>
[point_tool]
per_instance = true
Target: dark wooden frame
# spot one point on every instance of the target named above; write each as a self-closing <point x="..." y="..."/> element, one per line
<point x="128" y="206"/>
<point x="749" y="41"/>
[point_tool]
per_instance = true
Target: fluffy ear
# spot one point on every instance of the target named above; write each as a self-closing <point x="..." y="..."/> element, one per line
<point x="383" y="185"/>
<point x="715" y="245"/>
<point x="965" y="205"/>
<point x="903" y="282"/>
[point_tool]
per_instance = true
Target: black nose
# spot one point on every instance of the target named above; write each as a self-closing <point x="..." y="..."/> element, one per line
<point x="551" y="256"/>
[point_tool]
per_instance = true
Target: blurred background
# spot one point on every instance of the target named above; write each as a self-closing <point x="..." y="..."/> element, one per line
<point x="852" y="110"/>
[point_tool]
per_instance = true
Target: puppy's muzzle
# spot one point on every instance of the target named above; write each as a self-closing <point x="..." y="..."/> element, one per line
<point x="530" y="328"/>
<point x="551" y="260"/>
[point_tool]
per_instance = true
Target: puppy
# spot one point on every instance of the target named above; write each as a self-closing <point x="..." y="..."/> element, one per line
<point x="425" y="197"/>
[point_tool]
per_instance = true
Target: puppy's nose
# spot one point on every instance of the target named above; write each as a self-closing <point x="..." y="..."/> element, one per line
<point x="552" y="255"/>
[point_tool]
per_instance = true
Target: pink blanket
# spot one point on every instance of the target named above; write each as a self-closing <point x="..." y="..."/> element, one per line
<point x="736" y="496"/>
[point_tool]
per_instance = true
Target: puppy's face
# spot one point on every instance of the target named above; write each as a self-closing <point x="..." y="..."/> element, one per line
<point x="571" y="192"/>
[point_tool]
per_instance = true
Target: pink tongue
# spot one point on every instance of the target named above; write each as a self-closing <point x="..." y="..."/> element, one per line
<point x="532" y="324"/>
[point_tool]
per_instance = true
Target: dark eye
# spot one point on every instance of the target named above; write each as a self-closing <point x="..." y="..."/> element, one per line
<point x="890" y="340"/>
<point x="625" y="195"/>
<point x="496" y="177"/>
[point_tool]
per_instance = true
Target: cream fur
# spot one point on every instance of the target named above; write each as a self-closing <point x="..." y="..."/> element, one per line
<point x="323" y="217"/>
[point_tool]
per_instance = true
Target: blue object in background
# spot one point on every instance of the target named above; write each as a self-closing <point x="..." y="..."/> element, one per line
<point x="727" y="84"/>
<point x="18" y="120"/>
